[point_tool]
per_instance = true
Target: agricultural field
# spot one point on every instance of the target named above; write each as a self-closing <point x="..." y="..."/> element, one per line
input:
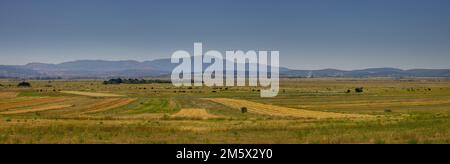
<point x="311" y="111"/>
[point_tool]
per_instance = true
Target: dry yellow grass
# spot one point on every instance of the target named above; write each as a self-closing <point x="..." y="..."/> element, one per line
<point x="37" y="109"/>
<point x="107" y="104"/>
<point x="273" y="110"/>
<point x="32" y="102"/>
<point x="194" y="113"/>
<point x="4" y="101"/>
<point x="91" y="94"/>
<point x="8" y="94"/>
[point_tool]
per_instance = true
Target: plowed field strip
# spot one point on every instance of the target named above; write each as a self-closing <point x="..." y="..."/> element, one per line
<point x="273" y="110"/>
<point x="37" y="109"/>
<point x="107" y="104"/>
<point x="28" y="103"/>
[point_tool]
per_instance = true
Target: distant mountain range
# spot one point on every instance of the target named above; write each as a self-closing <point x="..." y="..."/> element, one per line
<point x="133" y="69"/>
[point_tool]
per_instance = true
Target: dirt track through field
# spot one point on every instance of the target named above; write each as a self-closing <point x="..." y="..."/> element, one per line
<point x="37" y="109"/>
<point x="91" y="94"/>
<point x="273" y="110"/>
<point x="194" y="113"/>
<point x="32" y="102"/>
<point x="107" y="104"/>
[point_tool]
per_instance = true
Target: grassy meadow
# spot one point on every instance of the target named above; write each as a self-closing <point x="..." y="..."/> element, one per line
<point x="317" y="111"/>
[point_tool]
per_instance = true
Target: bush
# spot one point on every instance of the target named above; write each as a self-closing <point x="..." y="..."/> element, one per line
<point x="244" y="110"/>
<point x="24" y="84"/>
<point x="359" y="90"/>
<point x="387" y="111"/>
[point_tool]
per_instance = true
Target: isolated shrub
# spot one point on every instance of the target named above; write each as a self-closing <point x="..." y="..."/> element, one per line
<point x="244" y="110"/>
<point x="359" y="90"/>
<point x="349" y="91"/>
<point x="387" y="111"/>
<point x="24" y="84"/>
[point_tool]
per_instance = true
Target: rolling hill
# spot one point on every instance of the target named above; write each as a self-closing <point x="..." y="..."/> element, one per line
<point x="162" y="67"/>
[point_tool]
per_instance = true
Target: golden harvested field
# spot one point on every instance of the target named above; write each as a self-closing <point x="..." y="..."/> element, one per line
<point x="91" y="94"/>
<point x="194" y="114"/>
<point x="28" y="103"/>
<point x="8" y="94"/>
<point x="279" y="111"/>
<point x="415" y="110"/>
<point x="107" y="104"/>
<point x="37" y="109"/>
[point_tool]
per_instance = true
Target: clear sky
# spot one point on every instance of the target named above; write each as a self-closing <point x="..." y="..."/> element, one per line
<point x="310" y="34"/>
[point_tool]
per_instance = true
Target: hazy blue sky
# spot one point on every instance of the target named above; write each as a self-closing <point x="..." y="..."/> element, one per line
<point x="310" y="34"/>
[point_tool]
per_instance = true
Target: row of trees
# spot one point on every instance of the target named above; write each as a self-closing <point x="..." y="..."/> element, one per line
<point x="134" y="81"/>
<point x="24" y="84"/>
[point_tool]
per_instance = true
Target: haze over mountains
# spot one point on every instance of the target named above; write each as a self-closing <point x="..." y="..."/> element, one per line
<point x="163" y="67"/>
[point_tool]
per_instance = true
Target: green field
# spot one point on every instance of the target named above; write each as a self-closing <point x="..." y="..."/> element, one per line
<point x="387" y="111"/>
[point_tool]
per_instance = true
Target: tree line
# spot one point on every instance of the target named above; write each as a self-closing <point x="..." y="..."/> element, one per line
<point x="134" y="81"/>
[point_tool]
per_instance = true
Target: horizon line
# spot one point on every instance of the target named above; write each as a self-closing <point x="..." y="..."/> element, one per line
<point x="287" y="67"/>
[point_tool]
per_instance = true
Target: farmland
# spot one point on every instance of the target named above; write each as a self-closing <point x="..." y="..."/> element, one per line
<point x="317" y="110"/>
